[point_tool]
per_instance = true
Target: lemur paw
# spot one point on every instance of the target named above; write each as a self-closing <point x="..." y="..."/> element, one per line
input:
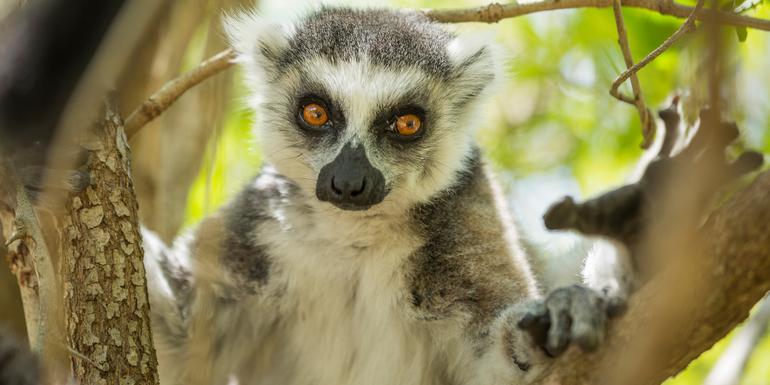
<point x="17" y="364"/>
<point x="36" y="175"/>
<point x="561" y="215"/>
<point x="572" y="314"/>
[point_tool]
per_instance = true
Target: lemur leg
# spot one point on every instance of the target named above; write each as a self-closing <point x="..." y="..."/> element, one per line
<point x="30" y="167"/>
<point x="627" y="214"/>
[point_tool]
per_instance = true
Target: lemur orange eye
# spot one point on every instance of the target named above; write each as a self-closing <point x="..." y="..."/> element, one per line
<point x="314" y="114"/>
<point x="408" y="124"/>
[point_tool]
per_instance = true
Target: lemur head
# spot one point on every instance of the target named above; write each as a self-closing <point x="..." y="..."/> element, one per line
<point x="365" y="109"/>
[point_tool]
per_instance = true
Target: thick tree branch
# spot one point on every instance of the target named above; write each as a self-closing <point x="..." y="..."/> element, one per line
<point x="495" y="12"/>
<point x="171" y="91"/>
<point x="737" y="271"/>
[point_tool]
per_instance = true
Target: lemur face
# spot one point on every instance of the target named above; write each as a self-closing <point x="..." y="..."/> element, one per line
<point x="364" y="109"/>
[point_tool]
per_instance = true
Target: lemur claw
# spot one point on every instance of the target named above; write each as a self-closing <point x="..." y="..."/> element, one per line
<point x="572" y="314"/>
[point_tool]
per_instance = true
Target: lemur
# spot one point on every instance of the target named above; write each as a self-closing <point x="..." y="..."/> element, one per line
<point x="374" y="246"/>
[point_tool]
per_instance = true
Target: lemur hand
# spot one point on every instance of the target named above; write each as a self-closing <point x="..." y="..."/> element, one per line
<point x="572" y="314"/>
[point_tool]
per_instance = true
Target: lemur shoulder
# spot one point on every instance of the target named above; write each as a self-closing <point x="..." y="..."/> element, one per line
<point x="373" y="247"/>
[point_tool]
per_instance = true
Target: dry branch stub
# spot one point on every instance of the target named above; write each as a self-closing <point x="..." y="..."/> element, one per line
<point x="171" y="91"/>
<point x="105" y="293"/>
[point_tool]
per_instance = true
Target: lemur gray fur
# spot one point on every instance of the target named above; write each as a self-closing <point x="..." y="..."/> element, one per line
<point x="359" y="254"/>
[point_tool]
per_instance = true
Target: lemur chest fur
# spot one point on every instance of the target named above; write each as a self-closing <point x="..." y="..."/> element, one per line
<point x="335" y="291"/>
<point x="345" y="300"/>
<point x="337" y="298"/>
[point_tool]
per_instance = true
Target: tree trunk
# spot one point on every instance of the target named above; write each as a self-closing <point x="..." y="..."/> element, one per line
<point x="107" y="319"/>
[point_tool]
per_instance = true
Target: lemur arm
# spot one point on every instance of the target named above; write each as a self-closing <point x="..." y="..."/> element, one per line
<point x="472" y="279"/>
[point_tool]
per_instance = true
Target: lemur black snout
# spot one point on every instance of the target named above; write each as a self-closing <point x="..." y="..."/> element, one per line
<point x="350" y="188"/>
<point x="350" y="182"/>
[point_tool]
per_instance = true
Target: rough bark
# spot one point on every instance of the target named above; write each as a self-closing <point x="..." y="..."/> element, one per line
<point x="105" y="294"/>
<point x="735" y="271"/>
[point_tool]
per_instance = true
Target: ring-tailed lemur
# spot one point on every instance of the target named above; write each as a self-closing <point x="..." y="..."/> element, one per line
<point x="374" y="247"/>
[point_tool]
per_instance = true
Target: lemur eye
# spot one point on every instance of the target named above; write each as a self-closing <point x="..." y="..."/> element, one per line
<point x="408" y="125"/>
<point x="314" y="115"/>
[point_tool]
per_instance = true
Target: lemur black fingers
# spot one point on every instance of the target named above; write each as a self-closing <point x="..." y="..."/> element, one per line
<point x="39" y="178"/>
<point x="616" y="306"/>
<point x="573" y="314"/>
<point x="561" y="215"/>
<point x="558" y="304"/>
<point x="536" y="323"/>
<point x="671" y="120"/>
<point x="746" y="163"/>
<point x="589" y="318"/>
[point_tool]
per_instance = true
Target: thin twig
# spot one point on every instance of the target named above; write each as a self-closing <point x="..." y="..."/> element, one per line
<point x="686" y="27"/>
<point x="171" y="91"/>
<point x="715" y="62"/>
<point x="77" y="354"/>
<point x="648" y="123"/>
<point x="495" y="12"/>
<point x="60" y="341"/>
<point x="631" y="71"/>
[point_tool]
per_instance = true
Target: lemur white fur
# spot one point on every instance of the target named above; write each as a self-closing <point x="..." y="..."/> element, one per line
<point x="425" y="287"/>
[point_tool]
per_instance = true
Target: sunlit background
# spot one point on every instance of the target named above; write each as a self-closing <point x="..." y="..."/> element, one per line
<point x="552" y="129"/>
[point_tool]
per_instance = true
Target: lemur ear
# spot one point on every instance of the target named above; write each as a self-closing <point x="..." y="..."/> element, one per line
<point x="258" y="41"/>
<point x="476" y="65"/>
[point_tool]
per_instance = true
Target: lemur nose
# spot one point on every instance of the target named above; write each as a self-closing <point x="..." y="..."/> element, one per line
<point x="350" y="182"/>
<point x="349" y="187"/>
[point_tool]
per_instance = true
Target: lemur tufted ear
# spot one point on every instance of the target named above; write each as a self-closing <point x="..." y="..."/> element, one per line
<point x="476" y="65"/>
<point x="258" y="41"/>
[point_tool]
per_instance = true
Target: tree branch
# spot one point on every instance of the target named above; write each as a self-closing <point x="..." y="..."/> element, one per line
<point x="648" y="123"/>
<point x="107" y="318"/>
<point x="171" y="91"/>
<point x="32" y="265"/>
<point x="688" y="26"/>
<point x="736" y="268"/>
<point x="30" y="262"/>
<point x="495" y="12"/>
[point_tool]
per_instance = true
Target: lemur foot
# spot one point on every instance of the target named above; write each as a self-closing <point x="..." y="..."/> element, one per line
<point x="17" y="364"/>
<point x="36" y="175"/>
<point x="572" y="314"/>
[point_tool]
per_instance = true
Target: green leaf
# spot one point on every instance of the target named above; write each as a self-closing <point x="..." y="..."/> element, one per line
<point x="742" y="33"/>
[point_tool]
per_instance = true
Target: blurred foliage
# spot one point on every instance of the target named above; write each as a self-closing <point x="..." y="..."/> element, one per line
<point x="554" y="111"/>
